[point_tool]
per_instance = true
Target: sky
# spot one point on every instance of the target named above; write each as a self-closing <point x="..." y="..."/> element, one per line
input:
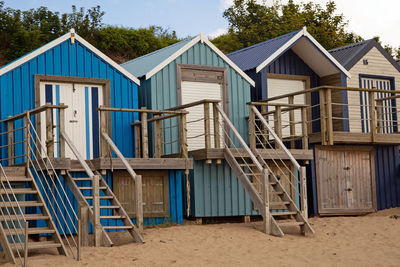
<point x="367" y="18"/>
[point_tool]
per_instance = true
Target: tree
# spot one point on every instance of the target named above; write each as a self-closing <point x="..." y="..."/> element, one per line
<point x="251" y="22"/>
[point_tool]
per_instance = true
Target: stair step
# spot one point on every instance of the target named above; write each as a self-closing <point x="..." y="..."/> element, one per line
<point x="277" y="205"/>
<point x="18" y="191"/>
<point x="38" y="245"/>
<point x="252" y="174"/>
<point x="16" y="179"/>
<point x="247" y="165"/>
<point x="277" y="192"/>
<point x="118" y="227"/>
<point x="90" y="188"/>
<point x="28" y="217"/>
<point x="285" y="224"/>
<point x="21" y="204"/>
<point x="31" y="231"/>
<point x="113" y="217"/>
<point x="82" y="179"/>
<point x="101" y="197"/>
<point x="283" y="213"/>
<point x="107" y="207"/>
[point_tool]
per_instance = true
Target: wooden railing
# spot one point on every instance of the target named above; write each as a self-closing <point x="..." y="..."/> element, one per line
<point x="344" y="114"/>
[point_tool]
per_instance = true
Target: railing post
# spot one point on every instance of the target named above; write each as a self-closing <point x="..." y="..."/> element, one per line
<point x="379" y="104"/>
<point x="49" y="133"/>
<point x="83" y="214"/>
<point x="322" y="115"/>
<point x="26" y="237"/>
<point x="183" y="136"/>
<point x="329" y="115"/>
<point x="303" y="191"/>
<point x="278" y="124"/>
<point x="139" y="203"/>
<point x="265" y="197"/>
<point x="137" y="140"/>
<point x="252" y="128"/>
<point x="207" y="126"/>
<point x="304" y="139"/>
<point x="264" y="129"/>
<point x="103" y="128"/>
<point x="217" y="134"/>
<point x="292" y="124"/>
<point x="10" y="129"/>
<point x="79" y="240"/>
<point x="61" y="128"/>
<point x="145" y="134"/>
<point x="372" y="115"/>
<point x="96" y="211"/>
<point x="158" y="137"/>
<point x="27" y="140"/>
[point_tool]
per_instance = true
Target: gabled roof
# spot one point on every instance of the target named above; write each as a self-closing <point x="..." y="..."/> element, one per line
<point x="150" y="64"/>
<point x="73" y="36"/>
<point x="301" y="42"/>
<point x="349" y="55"/>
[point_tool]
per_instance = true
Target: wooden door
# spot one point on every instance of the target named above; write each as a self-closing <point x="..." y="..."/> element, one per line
<point x="345" y="179"/>
<point x="155" y="192"/>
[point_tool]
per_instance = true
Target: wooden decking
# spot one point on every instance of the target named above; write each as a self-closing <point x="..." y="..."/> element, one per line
<point x="357" y="138"/>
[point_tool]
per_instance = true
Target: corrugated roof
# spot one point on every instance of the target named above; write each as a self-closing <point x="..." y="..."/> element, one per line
<point x="142" y="65"/>
<point x="252" y="56"/>
<point x="346" y="53"/>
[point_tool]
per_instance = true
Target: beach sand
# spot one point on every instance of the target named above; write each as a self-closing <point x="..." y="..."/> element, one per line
<point x="371" y="240"/>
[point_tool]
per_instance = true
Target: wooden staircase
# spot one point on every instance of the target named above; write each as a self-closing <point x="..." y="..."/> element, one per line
<point x="82" y="189"/>
<point x="263" y="185"/>
<point x="18" y="185"/>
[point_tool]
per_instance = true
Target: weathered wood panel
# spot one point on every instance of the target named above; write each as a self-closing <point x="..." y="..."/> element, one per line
<point x="337" y="97"/>
<point x="345" y="179"/>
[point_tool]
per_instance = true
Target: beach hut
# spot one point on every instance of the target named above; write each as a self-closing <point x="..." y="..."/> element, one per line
<point x="195" y="75"/>
<point x="295" y="69"/>
<point x="66" y="116"/>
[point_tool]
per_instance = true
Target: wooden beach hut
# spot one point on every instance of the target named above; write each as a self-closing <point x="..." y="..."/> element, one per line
<point x="69" y="153"/>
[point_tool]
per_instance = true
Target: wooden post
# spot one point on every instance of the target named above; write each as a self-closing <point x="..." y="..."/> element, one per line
<point x="264" y="128"/>
<point x="137" y="140"/>
<point x="83" y="213"/>
<point x="61" y="128"/>
<point x="292" y="124"/>
<point x="158" y="137"/>
<point x="303" y="191"/>
<point x="379" y="104"/>
<point x="372" y="115"/>
<point x="10" y="129"/>
<point x="322" y="116"/>
<point x="145" y="134"/>
<point x="26" y="244"/>
<point x="329" y="116"/>
<point x="265" y="196"/>
<point x="304" y="138"/>
<point x="96" y="211"/>
<point x="217" y="134"/>
<point x="27" y="140"/>
<point x="252" y="128"/>
<point x="139" y="203"/>
<point x="103" y="128"/>
<point x="278" y="124"/>
<point x="183" y="136"/>
<point x="207" y="126"/>
<point x="49" y="133"/>
<point x="79" y="240"/>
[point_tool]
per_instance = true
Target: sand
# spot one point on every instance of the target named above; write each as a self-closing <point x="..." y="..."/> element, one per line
<point x="371" y="240"/>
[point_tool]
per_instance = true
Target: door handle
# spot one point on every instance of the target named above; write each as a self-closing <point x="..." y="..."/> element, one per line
<point x="346" y="168"/>
<point x="348" y="189"/>
<point x="73" y="120"/>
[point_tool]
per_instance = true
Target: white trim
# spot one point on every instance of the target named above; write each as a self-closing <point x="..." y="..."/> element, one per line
<point x="230" y="62"/>
<point x="279" y="51"/>
<point x="173" y="56"/>
<point x="35" y="53"/>
<point x="289" y="43"/>
<point x="61" y="39"/>
<point x="195" y="40"/>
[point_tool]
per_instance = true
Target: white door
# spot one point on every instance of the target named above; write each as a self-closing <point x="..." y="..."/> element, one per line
<point x="81" y="117"/>
<point x="277" y="87"/>
<point x="387" y="108"/>
<point x="196" y="91"/>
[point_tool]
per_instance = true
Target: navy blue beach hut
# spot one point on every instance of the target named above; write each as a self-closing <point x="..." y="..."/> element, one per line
<point x="343" y="177"/>
<point x="52" y="127"/>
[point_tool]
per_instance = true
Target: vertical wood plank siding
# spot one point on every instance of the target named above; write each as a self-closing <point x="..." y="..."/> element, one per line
<point x="66" y="59"/>
<point x="160" y="92"/>
<point x="387" y="176"/>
